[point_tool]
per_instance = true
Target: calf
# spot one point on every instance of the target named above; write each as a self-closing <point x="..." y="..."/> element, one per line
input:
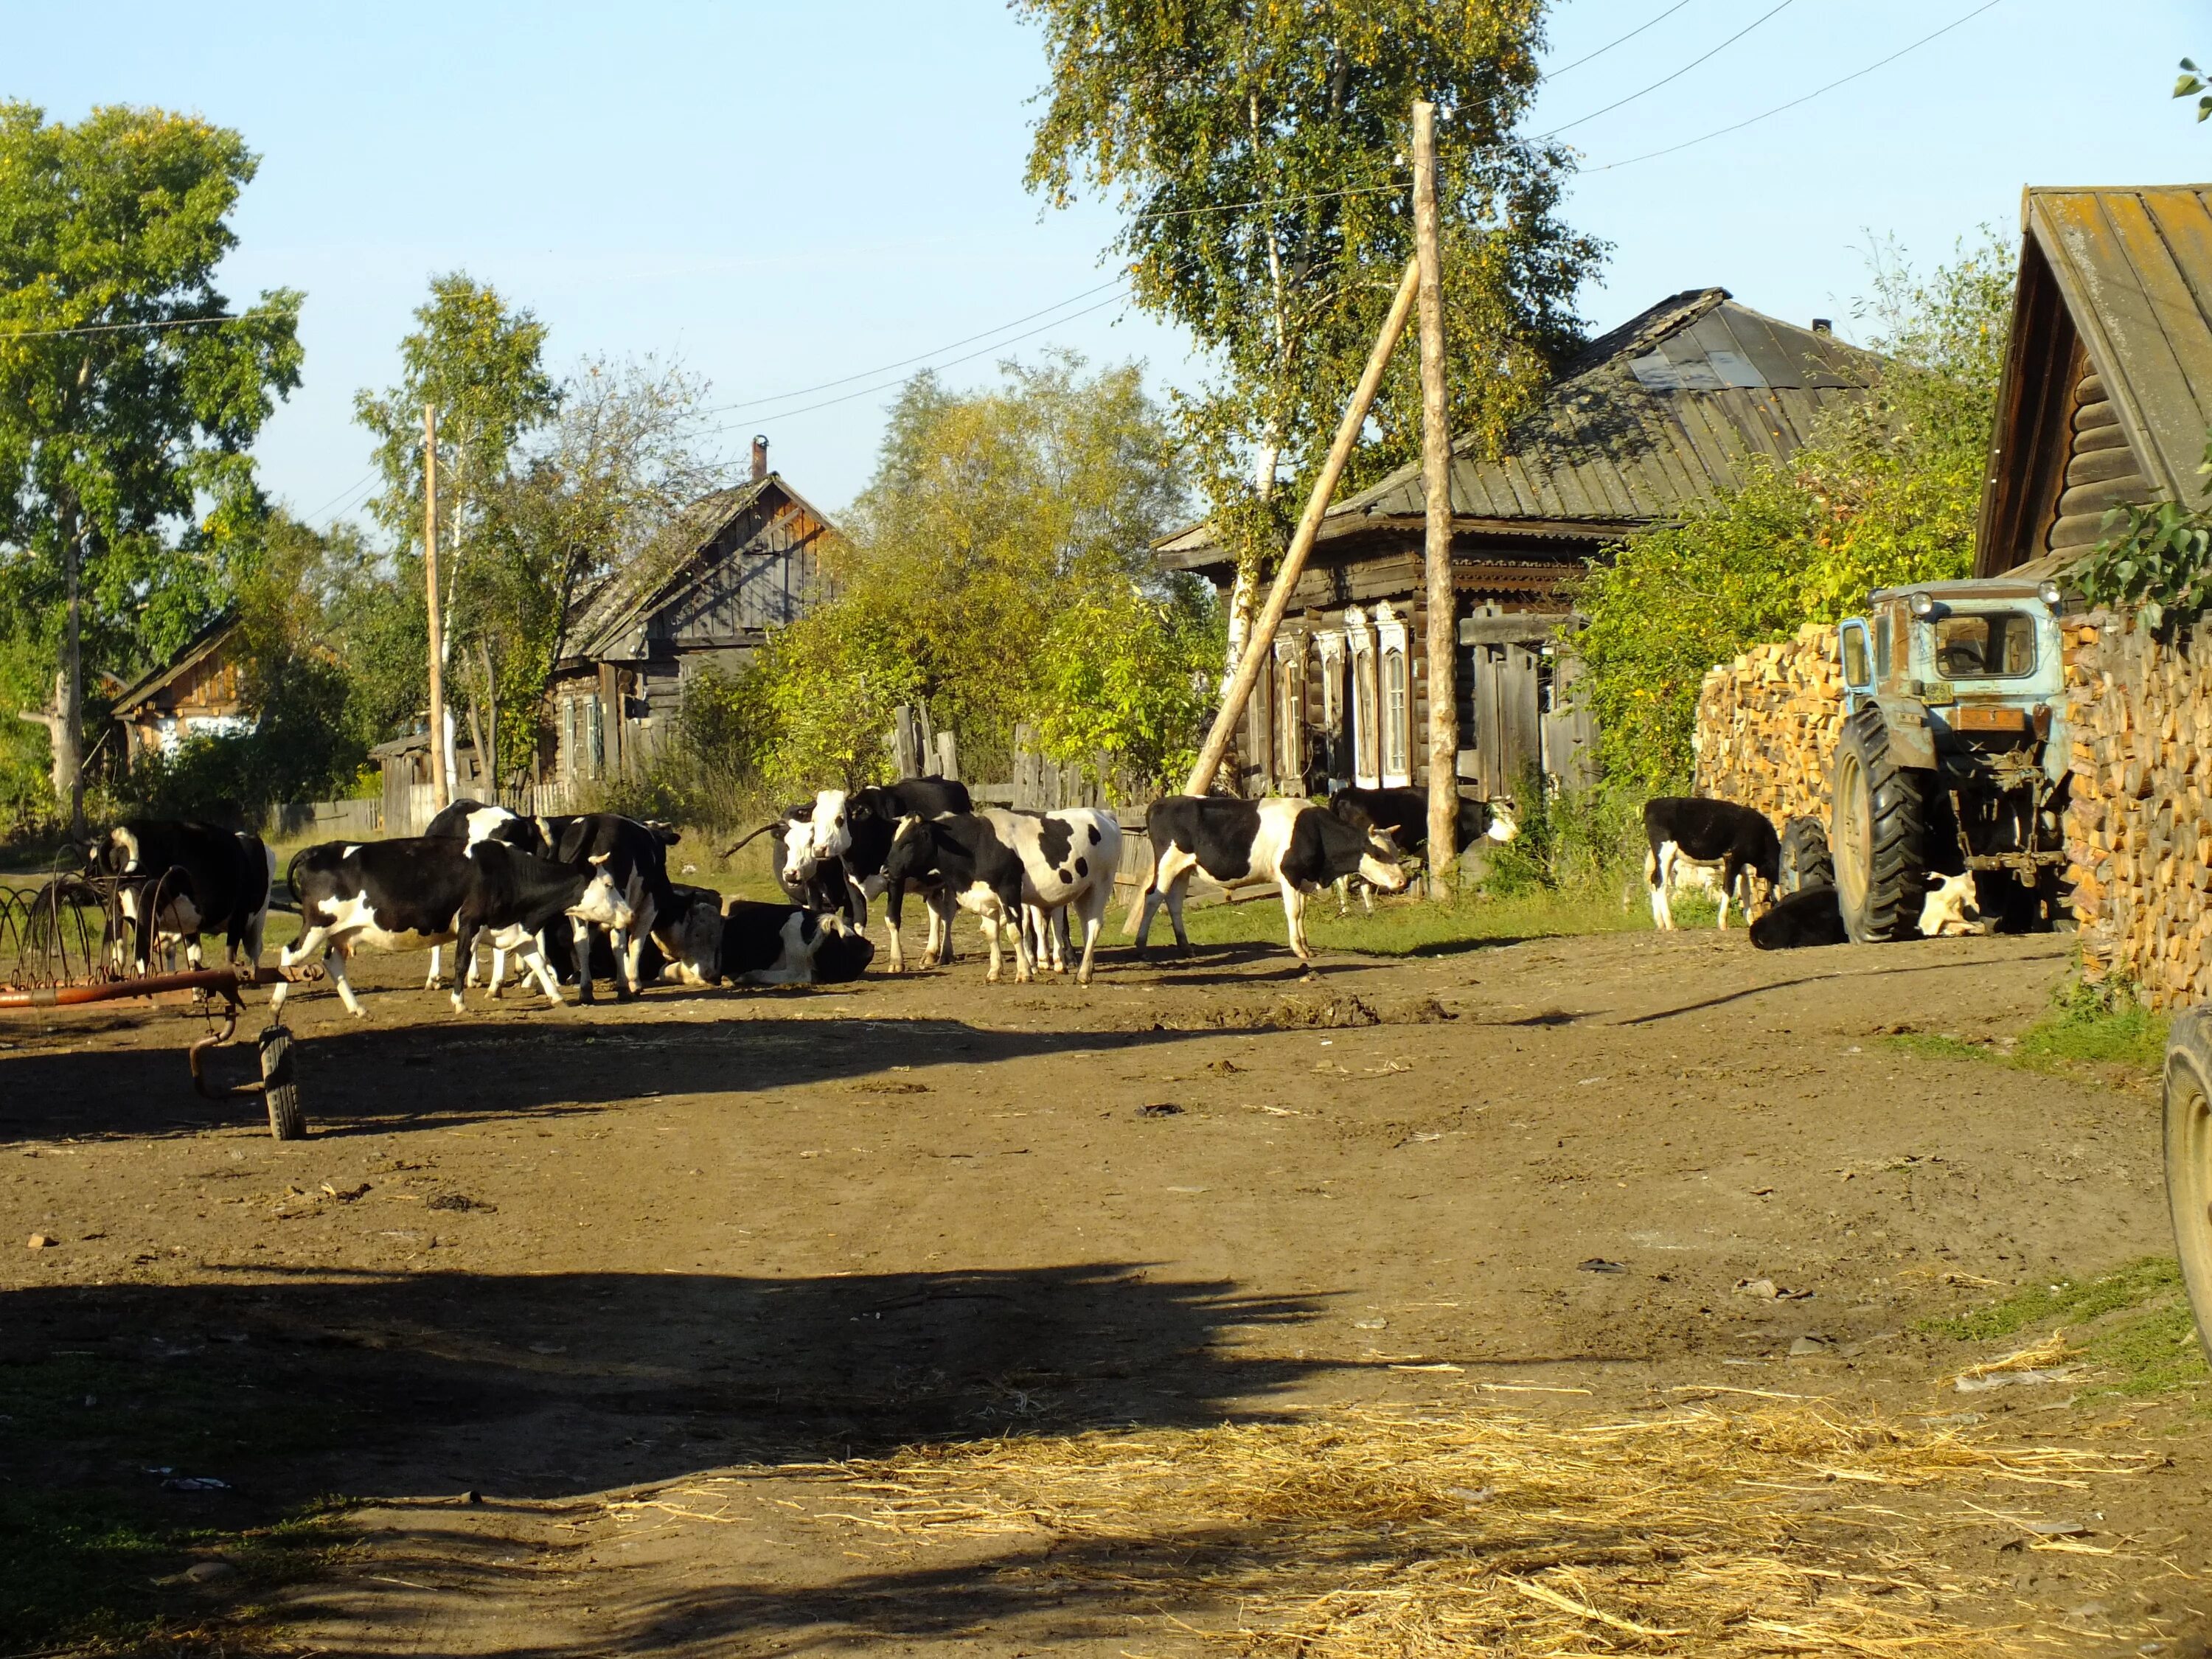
<point x="636" y="858"/>
<point x="1810" y="916"/>
<point x="405" y="894"/>
<point x="1299" y="846"/>
<point x="1952" y="909"/>
<point x="470" y="822"/>
<point x="1688" y="829"/>
<point x="958" y="858"/>
<point x="1403" y="815"/>
<point x="175" y="881"/>
<point x="1069" y="859"/>
<point x="789" y="945"/>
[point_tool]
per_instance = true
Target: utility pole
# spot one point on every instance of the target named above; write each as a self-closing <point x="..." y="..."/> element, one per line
<point x="1435" y="548"/>
<point x="441" y="786"/>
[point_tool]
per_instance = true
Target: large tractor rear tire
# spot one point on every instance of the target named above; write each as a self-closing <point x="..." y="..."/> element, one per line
<point x="2189" y="1157"/>
<point x="1879" y="833"/>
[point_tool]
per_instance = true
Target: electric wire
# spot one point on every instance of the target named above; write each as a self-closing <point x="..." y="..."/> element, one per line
<point x="112" y="328"/>
<point x="1664" y="80"/>
<point x="1553" y="74"/>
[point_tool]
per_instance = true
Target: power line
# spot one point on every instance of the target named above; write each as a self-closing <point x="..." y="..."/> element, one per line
<point x="343" y="498"/>
<point x="1663" y="80"/>
<point x="112" y="328"/>
<point x="885" y="368"/>
<point x="1720" y="132"/>
<point x="1553" y="74"/>
<point x="786" y="413"/>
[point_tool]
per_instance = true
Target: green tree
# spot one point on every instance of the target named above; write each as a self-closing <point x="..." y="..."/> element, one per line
<point x="1258" y="151"/>
<point x="1886" y="493"/>
<point x="129" y="394"/>
<point x="481" y="367"/>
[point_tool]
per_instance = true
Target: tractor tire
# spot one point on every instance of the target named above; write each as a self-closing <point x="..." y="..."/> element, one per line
<point x="1806" y="860"/>
<point x="280" y="1087"/>
<point x="1879" y="833"/>
<point x="2189" y="1157"/>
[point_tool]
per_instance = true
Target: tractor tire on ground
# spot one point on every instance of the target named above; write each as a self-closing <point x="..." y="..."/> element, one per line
<point x="1879" y="833"/>
<point x="280" y="1086"/>
<point x="1806" y="861"/>
<point x="2189" y="1157"/>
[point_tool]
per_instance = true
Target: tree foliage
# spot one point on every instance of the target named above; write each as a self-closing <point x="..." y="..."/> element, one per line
<point x="1886" y="493"/>
<point x="997" y="570"/>
<point x="1259" y="152"/>
<point x="123" y="450"/>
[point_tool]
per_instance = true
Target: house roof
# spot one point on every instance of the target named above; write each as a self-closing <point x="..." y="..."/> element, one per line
<point x="1645" y="422"/>
<point x="609" y="617"/>
<point x="194" y="651"/>
<point x="2126" y="272"/>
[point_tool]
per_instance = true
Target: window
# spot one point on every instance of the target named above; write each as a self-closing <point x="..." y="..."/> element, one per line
<point x="1396" y="698"/>
<point x="1365" y="770"/>
<point x="1291" y="714"/>
<point x="595" y="737"/>
<point x="1331" y="646"/>
<point x="571" y="755"/>
<point x="1857" y="672"/>
<point x="1985" y="645"/>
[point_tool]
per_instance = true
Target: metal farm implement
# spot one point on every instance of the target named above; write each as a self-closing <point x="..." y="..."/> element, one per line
<point x="68" y="945"/>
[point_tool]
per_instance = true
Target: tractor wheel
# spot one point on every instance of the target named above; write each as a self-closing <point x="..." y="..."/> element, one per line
<point x="2189" y="1157"/>
<point x="280" y="1087"/>
<point x="1806" y="860"/>
<point x="1879" y="833"/>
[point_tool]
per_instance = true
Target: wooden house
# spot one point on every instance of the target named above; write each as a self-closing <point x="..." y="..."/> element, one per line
<point x="734" y="565"/>
<point x="2106" y="393"/>
<point x="1641" y="425"/>
<point x="197" y="692"/>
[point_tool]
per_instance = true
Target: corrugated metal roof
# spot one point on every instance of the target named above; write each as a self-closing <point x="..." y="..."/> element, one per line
<point x="1647" y="421"/>
<point x="2134" y="266"/>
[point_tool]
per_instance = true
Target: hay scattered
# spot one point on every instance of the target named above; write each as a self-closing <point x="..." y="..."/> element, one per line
<point x="1376" y="1532"/>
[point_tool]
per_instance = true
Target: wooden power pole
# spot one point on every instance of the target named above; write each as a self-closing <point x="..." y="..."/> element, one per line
<point x="441" y="787"/>
<point x="1263" y="638"/>
<point x="1435" y="548"/>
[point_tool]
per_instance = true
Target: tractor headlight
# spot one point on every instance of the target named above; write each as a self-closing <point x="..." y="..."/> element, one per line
<point x="1923" y="605"/>
<point x="2049" y="593"/>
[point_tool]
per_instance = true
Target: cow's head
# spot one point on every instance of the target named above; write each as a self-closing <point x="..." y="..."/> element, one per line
<point x="116" y="854"/>
<point x="1502" y="826"/>
<point x="1950" y="910"/>
<point x="799" y="859"/>
<point x="1380" y="862"/>
<point x="693" y="944"/>
<point x="911" y="852"/>
<point x="840" y="953"/>
<point x="601" y="903"/>
<point x="829" y="825"/>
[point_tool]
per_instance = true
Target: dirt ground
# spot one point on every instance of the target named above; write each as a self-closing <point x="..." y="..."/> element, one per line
<point x="538" y="1274"/>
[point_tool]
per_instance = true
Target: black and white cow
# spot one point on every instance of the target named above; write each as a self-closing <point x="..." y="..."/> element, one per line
<point x="857" y="826"/>
<point x="405" y="894"/>
<point x="765" y="943"/>
<point x="1069" y="858"/>
<point x="175" y="881"/>
<point x="470" y="822"/>
<point x="957" y="860"/>
<point x="680" y="948"/>
<point x="1689" y="829"/>
<point x="1811" y="915"/>
<point x="636" y="858"/>
<point x="1403" y="815"/>
<point x="1298" y="846"/>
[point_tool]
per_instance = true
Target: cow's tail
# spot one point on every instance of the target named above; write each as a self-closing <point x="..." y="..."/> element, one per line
<point x="1144" y="890"/>
<point x="731" y="852"/>
<point x="291" y="875"/>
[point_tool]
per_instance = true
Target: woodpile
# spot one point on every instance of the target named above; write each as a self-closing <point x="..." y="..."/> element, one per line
<point x="1767" y="725"/>
<point x="2139" y="821"/>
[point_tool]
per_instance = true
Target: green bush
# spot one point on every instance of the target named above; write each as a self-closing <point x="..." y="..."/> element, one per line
<point x="1571" y="840"/>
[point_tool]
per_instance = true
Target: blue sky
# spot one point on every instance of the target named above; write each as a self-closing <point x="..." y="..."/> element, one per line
<point x="782" y="195"/>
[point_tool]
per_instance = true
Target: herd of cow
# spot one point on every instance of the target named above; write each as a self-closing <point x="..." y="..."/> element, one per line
<point x="577" y="898"/>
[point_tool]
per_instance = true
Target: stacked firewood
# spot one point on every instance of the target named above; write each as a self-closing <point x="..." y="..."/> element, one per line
<point x="1767" y="724"/>
<point x="2139" y="824"/>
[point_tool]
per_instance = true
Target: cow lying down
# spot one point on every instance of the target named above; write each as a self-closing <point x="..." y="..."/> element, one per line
<point x="1813" y="915"/>
<point x="753" y="942"/>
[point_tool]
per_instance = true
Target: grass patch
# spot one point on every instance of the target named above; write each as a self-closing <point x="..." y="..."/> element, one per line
<point x="2111" y="1040"/>
<point x="1405" y="928"/>
<point x="2154" y="1352"/>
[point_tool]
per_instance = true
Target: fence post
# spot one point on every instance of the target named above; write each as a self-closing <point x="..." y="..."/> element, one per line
<point x="948" y="757"/>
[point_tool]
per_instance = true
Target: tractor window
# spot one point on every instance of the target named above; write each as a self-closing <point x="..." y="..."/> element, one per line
<point x="1985" y="645"/>
<point x="1857" y="671"/>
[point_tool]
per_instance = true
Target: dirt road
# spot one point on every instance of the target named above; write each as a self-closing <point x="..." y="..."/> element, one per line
<point x="572" y="1262"/>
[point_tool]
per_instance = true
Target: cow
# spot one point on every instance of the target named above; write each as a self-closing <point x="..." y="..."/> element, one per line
<point x="1811" y="915"/>
<point x="1298" y="846"/>
<point x="1689" y="829"/>
<point x="763" y="944"/>
<point x="406" y="894"/>
<point x="857" y="826"/>
<point x="680" y="948"/>
<point x="636" y="860"/>
<point x="1952" y="909"/>
<point x="958" y="859"/>
<point x="1403" y="815"/>
<point x="470" y="822"/>
<point x="1069" y="857"/>
<point x="175" y="881"/>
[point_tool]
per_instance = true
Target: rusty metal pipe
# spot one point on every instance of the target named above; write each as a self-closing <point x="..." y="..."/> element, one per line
<point x="221" y="981"/>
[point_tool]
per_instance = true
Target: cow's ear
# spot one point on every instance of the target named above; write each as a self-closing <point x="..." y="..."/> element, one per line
<point x="598" y="859"/>
<point x="572" y="842"/>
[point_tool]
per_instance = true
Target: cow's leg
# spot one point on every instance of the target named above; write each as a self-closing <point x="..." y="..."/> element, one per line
<point x="530" y="959"/>
<point x="192" y="952"/>
<point x="1095" y="904"/>
<point x="1010" y="914"/>
<point x="1061" y="953"/>
<point x="990" y="937"/>
<point x="1177" y="891"/>
<point x="249" y="941"/>
<point x="465" y="950"/>
<point x="581" y="931"/>
<point x="942" y="908"/>
<point x="1294" y="923"/>
<point x="431" y="983"/>
<point x="334" y="965"/>
<point x="894" y="904"/>
<point x="629" y="948"/>
<point x="311" y="939"/>
<point x="1659" y="868"/>
<point x="499" y="970"/>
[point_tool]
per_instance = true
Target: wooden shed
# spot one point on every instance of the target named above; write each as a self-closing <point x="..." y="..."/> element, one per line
<point x="1643" y="424"/>
<point x="197" y="691"/>
<point x="2106" y="393"/>
<point x="737" y="564"/>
